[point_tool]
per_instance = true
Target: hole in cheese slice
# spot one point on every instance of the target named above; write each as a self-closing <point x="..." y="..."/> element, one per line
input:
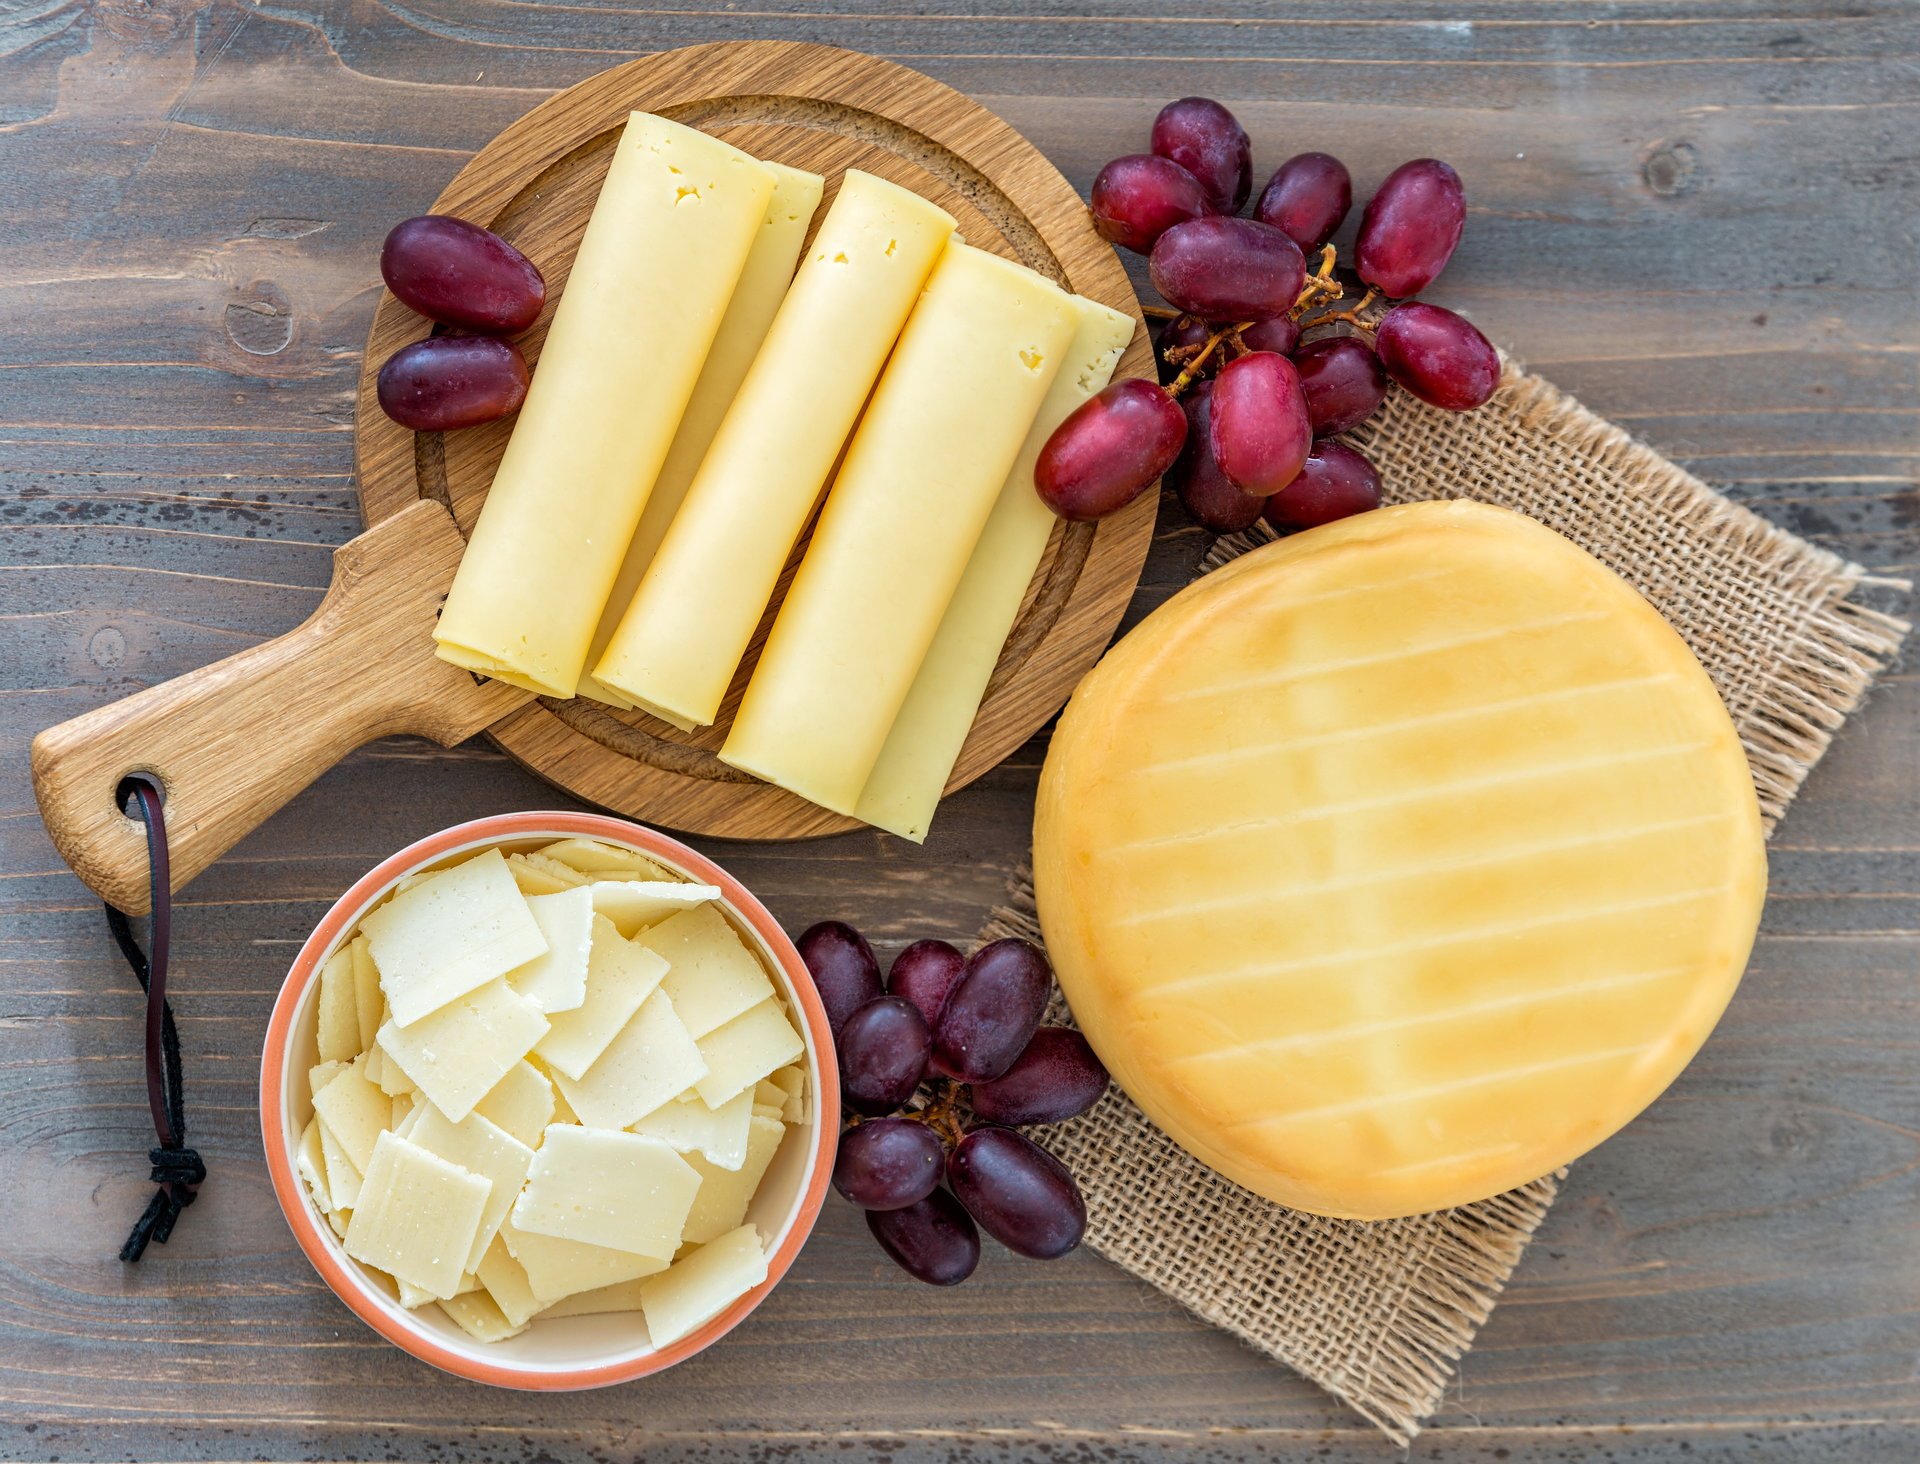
<point x="1400" y="862"/>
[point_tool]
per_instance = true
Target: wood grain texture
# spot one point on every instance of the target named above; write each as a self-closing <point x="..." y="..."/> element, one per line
<point x="824" y="110"/>
<point x="1696" y="217"/>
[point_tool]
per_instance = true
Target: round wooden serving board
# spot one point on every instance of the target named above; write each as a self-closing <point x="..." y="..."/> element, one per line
<point x="825" y="110"/>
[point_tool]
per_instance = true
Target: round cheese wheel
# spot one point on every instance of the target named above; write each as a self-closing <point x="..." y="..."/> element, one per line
<point x="1400" y="862"/>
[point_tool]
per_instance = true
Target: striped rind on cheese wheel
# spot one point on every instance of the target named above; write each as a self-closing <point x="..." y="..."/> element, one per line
<point x="1400" y="862"/>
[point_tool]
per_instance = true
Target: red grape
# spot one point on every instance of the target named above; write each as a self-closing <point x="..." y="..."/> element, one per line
<point x="932" y="1240"/>
<point x="992" y="1011"/>
<point x="1021" y="1195"/>
<point x="1056" y="1078"/>
<point x="888" y="1163"/>
<point x="461" y="274"/>
<point x="1228" y="269"/>
<point x="1205" y="492"/>
<point x="1438" y="356"/>
<point x="883" y="1054"/>
<point x="842" y="966"/>
<point x="1208" y="141"/>
<point x="1410" y="228"/>
<point x="1277" y="333"/>
<point x="1138" y="198"/>
<point x="1181" y="341"/>
<point x="1307" y="198"/>
<point x="1110" y="450"/>
<point x="1260" y="431"/>
<point x="1344" y="383"/>
<point x="1334" y="482"/>
<point x="924" y="973"/>
<point x="448" y="382"/>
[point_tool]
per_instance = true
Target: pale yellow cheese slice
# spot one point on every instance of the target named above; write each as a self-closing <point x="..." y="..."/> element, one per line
<point x="763" y="284"/>
<point x="622" y="1191"/>
<point x="620" y="976"/>
<point x="480" y="1317"/>
<point x="793" y="1082"/>
<point x="725" y="1194"/>
<point x="694" y="613"/>
<point x="416" y="1216"/>
<point x="556" y="980"/>
<point x="533" y="880"/>
<point x="711" y="975"/>
<point x="343" y="1175"/>
<point x="312" y="1164"/>
<point x="925" y="739"/>
<point x="689" y="1125"/>
<point x="322" y="1073"/>
<point x="591" y="858"/>
<point x="931" y="455"/>
<point x="558" y="1268"/>
<point x="339" y="1019"/>
<point x="694" y="1291"/>
<point x="369" y="1003"/>
<point x="649" y="1060"/>
<point x="459" y="1053"/>
<point x="622" y="1296"/>
<point x="633" y="905"/>
<point x="744" y="1050"/>
<point x="1398" y="863"/>
<point x="481" y="1148"/>
<point x="449" y="934"/>
<point x="521" y="1103"/>
<point x="664" y="246"/>
<point x="506" y="1282"/>
<point x="412" y="1296"/>
<point x="354" y="1111"/>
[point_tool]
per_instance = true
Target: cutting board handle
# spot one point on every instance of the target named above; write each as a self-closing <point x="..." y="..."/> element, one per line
<point x="232" y="742"/>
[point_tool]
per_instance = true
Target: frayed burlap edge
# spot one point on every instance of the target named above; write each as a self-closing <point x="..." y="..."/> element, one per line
<point x="1380" y="1314"/>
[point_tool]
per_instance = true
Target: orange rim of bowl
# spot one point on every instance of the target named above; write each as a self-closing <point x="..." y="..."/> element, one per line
<point x="300" y="1214"/>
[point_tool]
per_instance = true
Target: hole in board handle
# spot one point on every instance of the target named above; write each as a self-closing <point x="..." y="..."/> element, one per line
<point x="123" y="792"/>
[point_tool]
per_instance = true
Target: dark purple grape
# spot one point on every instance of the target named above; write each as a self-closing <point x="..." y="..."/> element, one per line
<point x="842" y="966"/>
<point x="924" y="973"/>
<point x="1260" y="432"/>
<point x="1307" y="198"/>
<point x="1110" y="450"/>
<point x="1410" y="228"/>
<point x="1056" y="1078"/>
<point x="883" y="1054"/>
<point x="1206" y="493"/>
<point x="1021" y="1195"/>
<point x="1228" y="269"/>
<point x="1208" y="141"/>
<point x="888" y="1163"/>
<point x="461" y="274"/>
<point x="1334" y="482"/>
<point x="932" y="1240"/>
<point x="1344" y="383"/>
<point x="1182" y="340"/>
<point x="1279" y="333"/>
<point x="447" y="382"/>
<point x="1138" y="198"/>
<point x="1438" y="356"/>
<point x="993" y="1010"/>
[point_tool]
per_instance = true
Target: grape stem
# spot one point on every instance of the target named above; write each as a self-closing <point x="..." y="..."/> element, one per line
<point x="1192" y="369"/>
<point x="1159" y="312"/>
<point x="1349" y="316"/>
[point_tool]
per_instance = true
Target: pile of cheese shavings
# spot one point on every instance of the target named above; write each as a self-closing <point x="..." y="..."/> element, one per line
<point x="549" y="1085"/>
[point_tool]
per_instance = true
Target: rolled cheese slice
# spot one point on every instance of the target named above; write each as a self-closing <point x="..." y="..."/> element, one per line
<point x="690" y="622"/>
<point x="920" y="478"/>
<point x="1400" y="862"/>
<point x="926" y="737"/>
<point x="666" y="242"/>
<point x="756" y="298"/>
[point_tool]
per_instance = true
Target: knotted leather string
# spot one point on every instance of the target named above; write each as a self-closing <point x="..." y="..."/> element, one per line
<point x="177" y="1170"/>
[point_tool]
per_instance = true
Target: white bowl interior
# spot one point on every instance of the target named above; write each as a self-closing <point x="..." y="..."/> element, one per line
<point x="563" y="1344"/>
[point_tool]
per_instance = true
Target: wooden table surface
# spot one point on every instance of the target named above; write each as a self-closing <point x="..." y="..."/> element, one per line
<point x="1700" y="218"/>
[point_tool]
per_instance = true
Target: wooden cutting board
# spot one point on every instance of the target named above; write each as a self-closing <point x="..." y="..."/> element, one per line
<point x="234" y="741"/>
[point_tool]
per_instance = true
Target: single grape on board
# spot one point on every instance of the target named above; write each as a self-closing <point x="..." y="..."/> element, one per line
<point x="1260" y="430"/>
<point x="1138" y="198"/>
<point x="444" y="383"/>
<point x="1110" y="449"/>
<point x="1438" y="356"/>
<point x="1208" y="141"/>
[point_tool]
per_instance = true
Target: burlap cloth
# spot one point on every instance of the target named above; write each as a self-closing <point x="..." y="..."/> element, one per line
<point x="1380" y="1314"/>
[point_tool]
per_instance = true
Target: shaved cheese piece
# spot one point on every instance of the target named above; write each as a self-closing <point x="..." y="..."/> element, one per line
<point x="693" y="1292"/>
<point x="551" y="872"/>
<point x="343" y="1176"/>
<point x="448" y="935"/>
<point x="354" y="1111"/>
<point x="712" y="976"/>
<point x="417" y="1216"/>
<point x="622" y="1296"/>
<point x="387" y="1074"/>
<point x="620" y="976"/>
<point x="649" y="1061"/>
<point x="457" y="1054"/>
<point x="606" y="861"/>
<point x="368" y="1001"/>
<point x="506" y="1282"/>
<point x="412" y="1296"/>
<point x="340" y="1220"/>
<point x="726" y="1193"/>
<point x="769" y="1093"/>
<point x="622" y="1191"/>
<point x="558" y="1268"/>
<point x="480" y="1148"/>
<point x="320" y="1074"/>
<point x="312" y="1164"/>
<point x="480" y="1317"/>
<point x="339" y="1015"/>
<point x="402" y="1106"/>
<point x="556" y="981"/>
<point x="633" y="905"/>
<point x="562" y="1110"/>
<point x="745" y="1050"/>
<point x="521" y="1103"/>
<point x="689" y="1125"/>
<point x="793" y="1082"/>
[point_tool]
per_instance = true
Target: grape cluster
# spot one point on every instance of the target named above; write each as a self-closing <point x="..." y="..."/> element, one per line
<point x="1249" y="422"/>
<point x="942" y="1066"/>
